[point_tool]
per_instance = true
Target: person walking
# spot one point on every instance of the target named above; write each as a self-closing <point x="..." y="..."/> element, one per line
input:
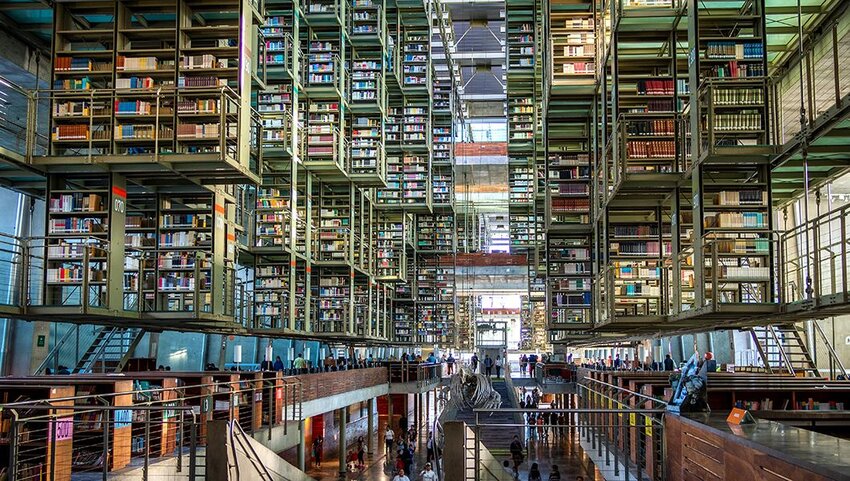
<point x="317" y="452"/>
<point x="428" y="474"/>
<point x="389" y="438"/>
<point x="516" y="454"/>
<point x="474" y="362"/>
<point x="555" y="475"/>
<point x="523" y="364"/>
<point x="488" y="366"/>
<point x="400" y="476"/>
<point x="498" y="365"/>
<point x="450" y="363"/>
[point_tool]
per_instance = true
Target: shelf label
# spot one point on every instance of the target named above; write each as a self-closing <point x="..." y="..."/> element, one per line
<point x="123" y="418"/>
<point x="64" y="429"/>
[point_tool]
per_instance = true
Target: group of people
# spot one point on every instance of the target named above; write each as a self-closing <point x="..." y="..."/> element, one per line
<point x="649" y="364"/>
<point x="527" y="364"/>
<point x="534" y="473"/>
<point x="487" y="364"/>
<point x="404" y="448"/>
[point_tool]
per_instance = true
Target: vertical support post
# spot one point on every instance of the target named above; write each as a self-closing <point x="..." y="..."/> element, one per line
<point x="302" y="447"/>
<point x="193" y="444"/>
<point x="105" y="453"/>
<point x="370" y="426"/>
<point x="147" y="445"/>
<point x="343" y="444"/>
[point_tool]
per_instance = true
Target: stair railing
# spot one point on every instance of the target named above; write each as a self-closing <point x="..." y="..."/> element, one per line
<point x="832" y="354"/>
<point x="781" y="347"/>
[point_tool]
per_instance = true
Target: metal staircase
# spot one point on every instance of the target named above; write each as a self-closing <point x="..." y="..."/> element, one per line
<point x="86" y="349"/>
<point x="782" y="349"/>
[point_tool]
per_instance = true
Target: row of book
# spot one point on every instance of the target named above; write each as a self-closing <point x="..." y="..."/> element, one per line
<point x="651" y="127"/>
<point x="136" y="131"/>
<point x="573" y="284"/>
<point x="178" y="261"/>
<point x="648" y="248"/>
<point x="745" y="220"/>
<point x="79" y="132"/>
<point x="568" y="300"/>
<point x="736" y="70"/>
<point x="73" y="274"/>
<point x="186" y="220"/>
<point x="79" y="64"/>
<point x="740" y="197"/>
<point x="650" y="149"/>
<point x="745" y="120"/>
<point x="734" y="50"/>
<point x="636" y="290"/>
<point x="185" y="239"/>
<point x="570" y="205"/>
<point x="80" y="109"/>
<point x="143" y="63"/>
<point x="76" y="202"/>
<point x="740" y="96"/>
<point x="181" y="282"/>
<point x="76" y="225"/>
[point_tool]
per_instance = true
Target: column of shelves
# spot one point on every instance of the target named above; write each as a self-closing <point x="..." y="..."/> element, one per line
<point x="146" y="60"/>
<point x="573" y="43"/>
<point x="77" y="247"/>
<point x="570" y="276"/>
<point x="272" y="292"/>
<point x="335" y="224"/>
<point x="334" y="299"/>
<point x="82" y="121"/>
<point x="737" y="243"/>
<point x="416" y="61"/>
<point x="184" y="253"/>
<point x="390" y="249"/>
<point x="273" y="223"/>
<point x="635" y="251"/>
<point x="140" y="241"/>
<point x="569" y="184"/>
<point x="392" y="194"/>
<point x="730" y="143"/>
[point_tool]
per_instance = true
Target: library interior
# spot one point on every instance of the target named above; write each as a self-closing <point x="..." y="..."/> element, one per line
<point x="404" y="240"/>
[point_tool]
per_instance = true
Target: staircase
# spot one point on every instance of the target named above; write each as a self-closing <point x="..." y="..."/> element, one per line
<point x="110" y="351"/>
<point x="782" y="349"/>
<point x="85" y="349"/>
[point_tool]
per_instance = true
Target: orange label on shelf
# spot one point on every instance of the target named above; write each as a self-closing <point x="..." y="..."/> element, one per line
<point x="737" y="416"/>
<point x="119" y="192"/>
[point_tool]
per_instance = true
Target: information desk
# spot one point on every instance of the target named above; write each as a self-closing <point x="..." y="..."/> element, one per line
<point x="706" y="447"/>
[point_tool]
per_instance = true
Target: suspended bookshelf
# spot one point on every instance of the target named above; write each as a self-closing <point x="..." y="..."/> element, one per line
<point x="335" y="224"/>
<point x="77" y="247"/>
<point x="367" y="156"/>
<point x="435" y="233"/>
<point x="573" y="43"/>
<point x="465" y="324"/>
<point x="273" y="214"/>
<point x="635" y="251"/>
<point x="324" y="141"/>
<point x="569" y="184"/>
<point x="390" y="250"/>
<point x="416" y="61"/>
<point x="185" y="251"/>
<point x="140" y="241"/>
<point x="570" y="276"/>
<point x="730" y="143"/>
<point x="82" y="123"/>
<point x="334" y="300"/>
<point x="362" y="305"/>
<point x="272" y="294"/>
